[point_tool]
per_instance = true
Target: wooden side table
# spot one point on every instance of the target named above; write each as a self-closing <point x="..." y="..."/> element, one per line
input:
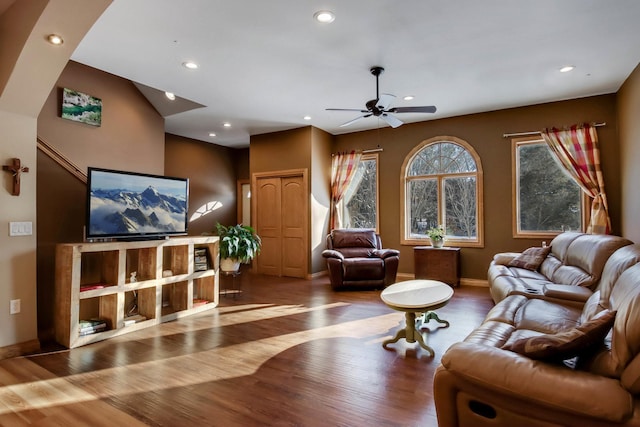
<point x="441" y="264"/>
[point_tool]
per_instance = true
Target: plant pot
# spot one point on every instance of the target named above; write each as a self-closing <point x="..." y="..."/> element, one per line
<point x="229" y="264"/>
<point x="437" y="243"/>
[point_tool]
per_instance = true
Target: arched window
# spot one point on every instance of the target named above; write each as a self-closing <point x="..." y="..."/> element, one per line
<point x="442" y="185"/>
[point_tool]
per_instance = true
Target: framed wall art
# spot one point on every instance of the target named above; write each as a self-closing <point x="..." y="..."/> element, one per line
<point x="80" y="107"/>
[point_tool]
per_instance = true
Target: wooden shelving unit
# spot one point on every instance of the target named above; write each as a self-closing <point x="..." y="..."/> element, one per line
<point x="94" y="281"/>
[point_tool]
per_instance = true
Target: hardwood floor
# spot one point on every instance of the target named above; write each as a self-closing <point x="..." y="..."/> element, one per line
<point x="287" y="352"/>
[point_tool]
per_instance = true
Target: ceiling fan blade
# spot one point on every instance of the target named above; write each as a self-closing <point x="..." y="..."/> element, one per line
<point x="394" y="122"/>
<point x="384" y="101"/>
<point x="355" y="120"/>
<point x="347" y="109"/>
<point x="424" y="109"/>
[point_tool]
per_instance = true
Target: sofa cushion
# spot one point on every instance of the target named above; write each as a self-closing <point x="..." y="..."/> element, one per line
<point x="530" y="259"/>
<point x="568" y="344"/>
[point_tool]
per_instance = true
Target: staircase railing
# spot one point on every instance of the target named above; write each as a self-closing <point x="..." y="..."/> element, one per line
<point x="60" y="159"/>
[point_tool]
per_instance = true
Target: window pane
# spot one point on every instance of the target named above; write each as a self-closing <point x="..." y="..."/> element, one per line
<point x="426" y="162"/>
<point x="460" y="206"/>
<point x="359" y="207"/>
<point x="441" y="158"/>
<point x="549" y="200"/>
<point x="423" y="202"/>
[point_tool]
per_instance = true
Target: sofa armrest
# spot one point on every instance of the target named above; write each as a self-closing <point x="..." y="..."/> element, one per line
<point x="330" y="253"/>
<point x="567" y="292"/>
<point x="385" y="253"/>
<point x="544" y="385"/>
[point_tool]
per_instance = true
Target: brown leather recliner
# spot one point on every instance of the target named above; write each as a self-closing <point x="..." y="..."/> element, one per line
<point x="355" y="258"/>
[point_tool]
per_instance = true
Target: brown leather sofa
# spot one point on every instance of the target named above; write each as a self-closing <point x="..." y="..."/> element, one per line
<point x="575" y="259"/>
<point x="355" y="257"/>
<point x="479" y="383"/>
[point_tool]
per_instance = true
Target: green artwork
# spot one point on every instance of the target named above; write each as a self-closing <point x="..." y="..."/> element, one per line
<point x="81" y="107"/>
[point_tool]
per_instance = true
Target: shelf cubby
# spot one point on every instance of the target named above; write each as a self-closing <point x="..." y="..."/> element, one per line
<point x="99" y="269"/>
<point x="142" y="261"/>
<point x="204" y="291"/>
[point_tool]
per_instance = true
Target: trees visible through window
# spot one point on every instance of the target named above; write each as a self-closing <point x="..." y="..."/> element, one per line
<point x="442" y="186"/>
<point x="359" y="207"/>
<point x="547" y="201"/>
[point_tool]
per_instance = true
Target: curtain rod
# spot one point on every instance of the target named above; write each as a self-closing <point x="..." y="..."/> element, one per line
<point x="372" y="150"/>
<point x="537" y="132"/>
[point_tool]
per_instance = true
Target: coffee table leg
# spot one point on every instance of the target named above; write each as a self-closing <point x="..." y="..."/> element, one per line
<point x="432" y="315"/>
<point x="410" y="333"/>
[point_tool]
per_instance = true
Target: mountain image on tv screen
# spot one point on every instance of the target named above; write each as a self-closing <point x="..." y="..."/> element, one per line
<point x="123" y="204"/>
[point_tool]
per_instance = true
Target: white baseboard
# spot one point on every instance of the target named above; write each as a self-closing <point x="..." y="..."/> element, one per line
<point x="463" y="281"/>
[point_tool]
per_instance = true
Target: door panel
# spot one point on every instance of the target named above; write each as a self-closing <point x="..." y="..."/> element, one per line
<point x="269" y="226"/>
<point x="294" y="253"/>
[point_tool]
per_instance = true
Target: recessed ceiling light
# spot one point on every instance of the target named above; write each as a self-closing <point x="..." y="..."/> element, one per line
<point x="307" y="117"/>
<point x="408" y="98"/>
<point x="170" y="95"/>
<point x="227" y="125"/>
<point x="324" y="16"/>
<point x="190" y="65"/>
<point x="211" y="134"/>
<point x="55" y="39"/>
<point x="567" y="68"/>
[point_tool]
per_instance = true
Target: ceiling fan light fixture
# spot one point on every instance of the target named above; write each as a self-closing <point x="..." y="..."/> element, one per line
<point x="324" y="16"/>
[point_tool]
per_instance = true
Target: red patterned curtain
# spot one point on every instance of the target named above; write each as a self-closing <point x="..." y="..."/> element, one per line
<point x="343" y="168"/>
<point x="577" y="150"/>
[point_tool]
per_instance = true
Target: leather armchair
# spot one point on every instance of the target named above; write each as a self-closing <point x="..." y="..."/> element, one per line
<point x="355" y="257"/>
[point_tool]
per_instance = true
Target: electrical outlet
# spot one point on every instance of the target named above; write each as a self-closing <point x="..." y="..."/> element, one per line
<point x="14" y="306"/>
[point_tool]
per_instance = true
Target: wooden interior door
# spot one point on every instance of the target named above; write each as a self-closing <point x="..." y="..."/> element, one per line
<point x="269" y="225"/>
<point x="281" y="221"/>
<point x="294" y="251"/>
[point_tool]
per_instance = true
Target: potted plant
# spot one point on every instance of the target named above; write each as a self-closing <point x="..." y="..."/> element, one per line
<point x="239" y="244"/>
<point x="436" y="235"/>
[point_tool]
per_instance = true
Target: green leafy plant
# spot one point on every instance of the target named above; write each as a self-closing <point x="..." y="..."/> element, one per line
<point x="238" y="241"/>
<point x="436" y="233"/>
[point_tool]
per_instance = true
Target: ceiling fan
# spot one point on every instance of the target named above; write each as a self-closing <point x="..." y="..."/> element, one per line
<point x="379" y="107"/>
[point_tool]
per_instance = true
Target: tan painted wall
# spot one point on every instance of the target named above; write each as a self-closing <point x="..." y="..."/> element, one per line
<point x="484" y="132"/>
<point x="131" y="137"/>
<point x="629" y="129"/>
<point x="212" y="180"/>
<point x="30" y="68"/>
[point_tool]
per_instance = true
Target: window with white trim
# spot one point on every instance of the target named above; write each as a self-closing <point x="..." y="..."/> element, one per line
<point x="442" y="185"/>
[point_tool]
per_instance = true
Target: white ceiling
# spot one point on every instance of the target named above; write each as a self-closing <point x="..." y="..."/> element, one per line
<point x="266" y="64"/>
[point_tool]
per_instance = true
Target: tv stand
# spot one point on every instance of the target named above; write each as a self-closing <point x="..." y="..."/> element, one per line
<point x="122" y="287"/>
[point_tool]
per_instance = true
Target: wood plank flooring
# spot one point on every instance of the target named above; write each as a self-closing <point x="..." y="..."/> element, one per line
<point x="286" y="352"/>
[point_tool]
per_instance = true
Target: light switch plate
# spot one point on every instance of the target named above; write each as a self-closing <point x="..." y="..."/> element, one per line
<point x="24" y="228"/>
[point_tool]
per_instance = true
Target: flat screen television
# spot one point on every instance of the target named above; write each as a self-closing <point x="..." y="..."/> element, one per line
<point x="129" y="205"/>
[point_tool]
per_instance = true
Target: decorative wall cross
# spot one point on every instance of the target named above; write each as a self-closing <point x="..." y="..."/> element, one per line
<point x="16" y="169"/>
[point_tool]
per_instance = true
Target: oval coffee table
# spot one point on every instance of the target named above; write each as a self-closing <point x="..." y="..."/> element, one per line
<point x="416" y="296"/>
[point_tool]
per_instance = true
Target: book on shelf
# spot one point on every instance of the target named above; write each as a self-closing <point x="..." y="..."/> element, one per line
<point x="200" y="259"/>
<point x="134" y="318"/>
<point x="91" y="326"/>
<point x="91" y="287"/>
<point x="197" y="302"/>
